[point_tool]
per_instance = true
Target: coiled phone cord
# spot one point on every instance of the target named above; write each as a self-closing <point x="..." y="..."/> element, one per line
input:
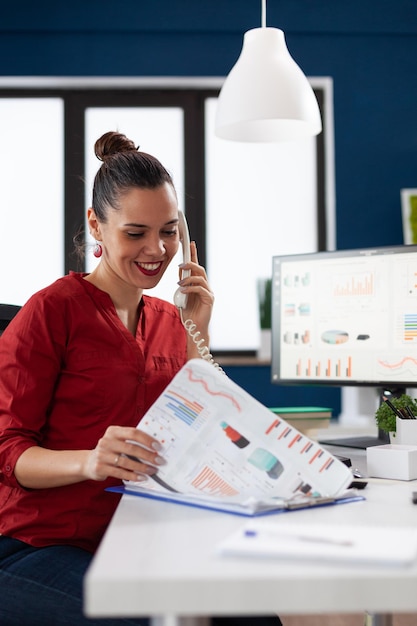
<point x="199" y="341"/>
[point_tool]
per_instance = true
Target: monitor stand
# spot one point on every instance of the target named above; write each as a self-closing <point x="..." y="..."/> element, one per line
<point x="367" y="441"/>
<point x="361" y="442"/>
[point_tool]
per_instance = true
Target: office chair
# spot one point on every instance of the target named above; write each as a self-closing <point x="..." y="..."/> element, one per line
<point x="7" y="313"/>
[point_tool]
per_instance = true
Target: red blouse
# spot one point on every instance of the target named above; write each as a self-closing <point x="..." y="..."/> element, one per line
<point x="68" y="370"/>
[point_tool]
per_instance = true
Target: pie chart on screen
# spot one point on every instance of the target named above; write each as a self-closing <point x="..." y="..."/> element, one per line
<point x="335" y="336"/>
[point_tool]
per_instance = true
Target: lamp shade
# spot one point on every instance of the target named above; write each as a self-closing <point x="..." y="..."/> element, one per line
<point x="266" y="97"/>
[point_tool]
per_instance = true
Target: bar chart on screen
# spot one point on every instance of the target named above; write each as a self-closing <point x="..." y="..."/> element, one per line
<point x="324" y="367"/>
<point x="355" y="285"/>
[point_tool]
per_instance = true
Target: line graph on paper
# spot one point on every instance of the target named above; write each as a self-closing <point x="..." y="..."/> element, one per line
<point x="213" y="389"/>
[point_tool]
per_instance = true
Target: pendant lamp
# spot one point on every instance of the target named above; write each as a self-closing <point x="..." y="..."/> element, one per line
<point x="266" y="97"/>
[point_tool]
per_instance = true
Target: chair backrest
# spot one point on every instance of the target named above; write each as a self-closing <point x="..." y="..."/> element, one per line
<point x="7" y="313"/>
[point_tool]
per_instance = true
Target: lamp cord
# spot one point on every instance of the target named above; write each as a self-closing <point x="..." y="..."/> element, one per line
<point x="263" y="13"/>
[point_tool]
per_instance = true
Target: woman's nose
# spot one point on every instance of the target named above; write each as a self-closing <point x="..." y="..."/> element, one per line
<point x="155" y="246"/>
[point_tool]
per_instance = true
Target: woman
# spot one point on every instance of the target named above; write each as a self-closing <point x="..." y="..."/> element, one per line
<point x="79" y="366"/>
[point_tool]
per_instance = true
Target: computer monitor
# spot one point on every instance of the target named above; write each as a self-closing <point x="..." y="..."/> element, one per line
<point x="346" y="317"/>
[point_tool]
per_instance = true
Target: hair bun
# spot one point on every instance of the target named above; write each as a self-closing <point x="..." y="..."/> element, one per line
<point x="111" y="143"/>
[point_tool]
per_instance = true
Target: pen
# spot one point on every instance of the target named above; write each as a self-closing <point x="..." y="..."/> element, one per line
<point x="392" y="407"/>
<point x="304" y="538"/>
<point x="410" y="413"/>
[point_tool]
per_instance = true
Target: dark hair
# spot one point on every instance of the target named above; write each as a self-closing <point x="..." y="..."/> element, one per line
<point x="123" y="167"/>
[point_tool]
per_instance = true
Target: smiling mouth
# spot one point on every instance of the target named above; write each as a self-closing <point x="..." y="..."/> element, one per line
<point x="149" y="269"/>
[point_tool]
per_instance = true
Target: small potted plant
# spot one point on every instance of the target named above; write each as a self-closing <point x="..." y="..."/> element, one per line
<point x="386" y="418"/>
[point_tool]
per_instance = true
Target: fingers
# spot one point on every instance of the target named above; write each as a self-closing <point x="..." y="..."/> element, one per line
<point x="194" y="281"/>
<point x="197" y="272"/>
<point x="129" y="467"/>
<point x="198" y="288"/>
<point x="125" y="453"/>
<point x="197" y="281"/>
<point x="194" y="264"/>
<point x="194" y="254"/>
<point x="128" y="437"/>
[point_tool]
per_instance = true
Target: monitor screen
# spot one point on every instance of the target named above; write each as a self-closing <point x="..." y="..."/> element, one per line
<point x="346" y="317"/>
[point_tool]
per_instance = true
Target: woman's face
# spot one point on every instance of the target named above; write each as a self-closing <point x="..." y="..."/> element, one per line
<point x="140" y="238"/>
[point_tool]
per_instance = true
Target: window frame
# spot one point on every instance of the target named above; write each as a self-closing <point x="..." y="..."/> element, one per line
<point x="189" y="94"/>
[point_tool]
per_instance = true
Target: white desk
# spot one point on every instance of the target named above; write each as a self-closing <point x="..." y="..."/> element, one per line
<point x="158" y="559"/>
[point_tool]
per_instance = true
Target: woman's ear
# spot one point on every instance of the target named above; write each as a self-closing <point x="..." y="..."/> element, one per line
<point x="93" y="224"/>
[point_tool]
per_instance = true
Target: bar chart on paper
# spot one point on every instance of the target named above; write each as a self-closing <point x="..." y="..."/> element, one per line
<point x="208" y="481"/>
<point x="185" y="409"/>
<point x="187" y="405"/>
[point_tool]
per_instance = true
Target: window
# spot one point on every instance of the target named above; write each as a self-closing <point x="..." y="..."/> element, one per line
<point x="31" y="195"/>
<point x="261" y="201"/>
<point x="242" y="201"/>
<point x="168" y="144"/>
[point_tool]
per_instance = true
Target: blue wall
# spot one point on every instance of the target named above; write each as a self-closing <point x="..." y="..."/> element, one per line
<point x="256" y="381"/>
<point x="369" y="47"/>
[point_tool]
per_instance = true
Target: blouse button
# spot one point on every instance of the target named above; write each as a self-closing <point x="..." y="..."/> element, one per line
<point x="8" y="468"/>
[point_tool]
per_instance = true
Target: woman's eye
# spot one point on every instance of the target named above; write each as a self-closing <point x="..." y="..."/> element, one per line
<point x="165" y="233"/>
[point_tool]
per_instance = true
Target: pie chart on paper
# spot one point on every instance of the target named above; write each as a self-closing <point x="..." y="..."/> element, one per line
<point x="335" y="336"/>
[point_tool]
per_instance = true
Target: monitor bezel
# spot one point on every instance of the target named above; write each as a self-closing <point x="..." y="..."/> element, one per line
<point x="277" y="260"/>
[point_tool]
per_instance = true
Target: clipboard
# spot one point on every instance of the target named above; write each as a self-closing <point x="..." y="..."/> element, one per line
<point x="251" y="508"/>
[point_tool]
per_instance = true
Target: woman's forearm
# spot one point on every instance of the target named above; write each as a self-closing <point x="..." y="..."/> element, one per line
<point x="39" y="468"/>
<point x="123" y="452"/>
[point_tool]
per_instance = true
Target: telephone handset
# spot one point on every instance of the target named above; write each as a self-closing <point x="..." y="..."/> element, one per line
<point x="180" y="299"/>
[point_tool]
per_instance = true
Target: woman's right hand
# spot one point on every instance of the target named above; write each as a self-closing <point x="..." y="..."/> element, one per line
<point x="125" y="453"/>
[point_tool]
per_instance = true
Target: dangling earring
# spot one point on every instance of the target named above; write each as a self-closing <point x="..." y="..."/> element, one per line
<point x="98" y="250"/>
